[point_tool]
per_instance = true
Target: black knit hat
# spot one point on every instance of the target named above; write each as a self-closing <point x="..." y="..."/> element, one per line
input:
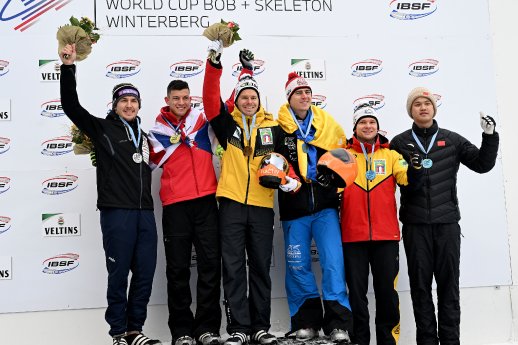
<point x="125" y="89"/>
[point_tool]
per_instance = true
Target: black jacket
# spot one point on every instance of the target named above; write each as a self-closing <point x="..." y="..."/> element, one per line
<point x="121" y="183"/>
<point x="436" y="201"/>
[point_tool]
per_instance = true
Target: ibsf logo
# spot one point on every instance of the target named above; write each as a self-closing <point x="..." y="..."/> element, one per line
<point x="5" y="224"/>
<point x="366" y="68"/>
<point x="186" y="68"/>
<point x="123" y="69"/>
<point x="49" y="70"/>
<point x="59" y="184"/>
<point x="438" y="99"/>
<point x="61" y="263"/>
<point x="52" y="108"/>
<point x="410" y="10"/>
<point x="197" y="102"/>
<point x="423" y="68"/>
<point x="319" y="101"/>
<point x="57" y="146"/>
<point x="258" y="67"/>
<point x="4" y="67"/>
<point x="5" y="184"/>
<point x="5" y="145"/>
<point x="376" y="101"/>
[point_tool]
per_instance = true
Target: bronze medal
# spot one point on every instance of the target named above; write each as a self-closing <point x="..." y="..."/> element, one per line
<point x="247" y="151"/>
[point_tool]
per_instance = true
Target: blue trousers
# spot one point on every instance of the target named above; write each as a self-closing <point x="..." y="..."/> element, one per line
<point x="301" y="287"/>
<point x="130" y="244"/>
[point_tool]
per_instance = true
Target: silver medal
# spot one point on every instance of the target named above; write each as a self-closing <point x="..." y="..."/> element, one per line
<point x="427" y="163"/>
<point x="137" y="157"/>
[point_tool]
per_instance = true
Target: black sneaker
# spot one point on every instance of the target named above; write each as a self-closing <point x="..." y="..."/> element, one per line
<point x="208" y="338"/>
<point x="263" y="338"/>
<point x="236" y="338"/>
<point x="140" y="339"/>
<point x="185" y="340"/>
<point x="119" y="340"/>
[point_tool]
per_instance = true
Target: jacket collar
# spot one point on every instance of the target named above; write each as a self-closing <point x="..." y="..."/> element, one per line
<point x="425" y="132"/>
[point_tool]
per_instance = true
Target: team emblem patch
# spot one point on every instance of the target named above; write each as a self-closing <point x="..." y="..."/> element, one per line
<point x="380" y="166"/>
<point x="266" y="136"/>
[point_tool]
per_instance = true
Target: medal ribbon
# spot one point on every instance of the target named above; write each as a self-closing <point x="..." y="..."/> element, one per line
<point x="305" y="134"/>
<point x="367" y="158"/>
<point x="421" y="147"/>
<point x="177" y="129"/>
<point x="136" y="141"/>
<point x="248" y="130"/>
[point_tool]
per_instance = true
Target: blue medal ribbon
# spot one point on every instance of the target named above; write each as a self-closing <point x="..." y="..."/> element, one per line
<point x="248" y="130"/>
<point x="370" y="174"/>
<point x="304" y="133"/>
<point x="136" y="141"/>
<point x="427" y="162"/>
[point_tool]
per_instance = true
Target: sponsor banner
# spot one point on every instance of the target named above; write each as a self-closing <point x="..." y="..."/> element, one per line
<point x="52" y="108"/>
<point x="5" y="184"/>
<point x="5" y="224"/>
<point x="309" y="68"/>
<point x="123" y="69"/>
<point x="4" y="67"/>
<point x="366" y="68"/>
<point x="197" y="102"/>
<point x="423" y="68"/>
<point x="5" y="109"/>
<point x="59" y="184"/>
<point x="57" y="146"/>
<point x="61" y="224"/>
<point x="319" y="101"/>
<point x="24" y="14"/>
<point x="376" y="101"/>
<point x="61" y="263"/>
<point x="411" y="10"/>
<point x="258" y="67"/>
<point x="5" y="145"/>
<point x="6" y="268"/>
<point x="49" y="70"/>
<point x="186" y="68"/>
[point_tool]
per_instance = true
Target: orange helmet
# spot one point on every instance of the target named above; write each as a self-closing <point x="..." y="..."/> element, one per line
<point x="272" y="170"/>
<point x="337" y="168"/>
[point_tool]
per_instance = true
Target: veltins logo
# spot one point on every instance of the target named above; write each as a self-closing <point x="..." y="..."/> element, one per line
<point x="59" y="184"/>
<point x="319" y="101"/>
<point x="259" y="66"/>
<point x="5" y="184"/>
<point x="366" y="68"/>
<point x="4" y="67"/>
<point x="410" y="10"/>
<point x="5" y="110"/>
<point x="29" y="11"/>
<point x="61" y="263"/>
<point x="60" y="224"/>
<point x="423" y="68"/>
<point x="197" y="102"/>
<point x="309" y="68"/>
<point x="5" y="145"/>
<point x="6" y="268"/>
<point x="5" y="224"/>
<point x="123" y="69"/>
<point x="57" y="146"/>
<point x="374" y="100"/>
<point x="52" y="108"/>
<point x="49" y="70"/>
<point x="186" y="68"/>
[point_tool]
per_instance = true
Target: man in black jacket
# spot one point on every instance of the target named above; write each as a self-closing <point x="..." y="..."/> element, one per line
<point x="124" y="200"/>
<point x="430" y="215"/>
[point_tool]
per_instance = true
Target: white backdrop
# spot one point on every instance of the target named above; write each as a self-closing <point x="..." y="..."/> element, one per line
<point x="334" y="40"/>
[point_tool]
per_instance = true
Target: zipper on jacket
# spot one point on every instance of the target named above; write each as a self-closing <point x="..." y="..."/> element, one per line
<point x="248" y="179"/>
<point x="141" y="184"/>
<point x="311" y="197"/>
<point x="369" y="208"/>
<point x="428" y="200"/>
<point x="194" y="169"/>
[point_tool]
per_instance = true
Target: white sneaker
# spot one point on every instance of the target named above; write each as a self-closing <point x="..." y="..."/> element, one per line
<point x="185" y="340"/>
<point x="263" y="338"/>
<point x="340" y="336"/>
<point x="305" y="334"/>
<point x="236" y="338"/>
<point x="119" y="340"/>
<point x="209" y="338"/>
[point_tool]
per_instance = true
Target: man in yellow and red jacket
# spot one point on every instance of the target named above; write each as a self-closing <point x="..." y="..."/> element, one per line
<point x="370" y="229"/>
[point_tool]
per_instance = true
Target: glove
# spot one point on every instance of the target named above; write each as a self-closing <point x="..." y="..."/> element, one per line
<point x="416" y="161"/>
<point x="246" y="57"/>
<point x="291" y="185"/>
<point x="487" y="123"/>
<point x="93" y="158"/>
<point x="215" y="49"/>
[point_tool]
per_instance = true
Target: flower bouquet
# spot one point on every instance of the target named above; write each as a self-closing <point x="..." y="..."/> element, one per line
<point x="82" y="143"/>
<point x="224" y="31"/>
<point x="78" y="32"/>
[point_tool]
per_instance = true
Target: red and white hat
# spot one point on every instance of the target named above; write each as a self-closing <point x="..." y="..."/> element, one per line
<point x="295" y="82"/>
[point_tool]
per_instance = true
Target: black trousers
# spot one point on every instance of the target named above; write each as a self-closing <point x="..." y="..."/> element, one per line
<point x="433" y="250"/>
<point x="246" y="231"/>
<point x="184" y="224"/>
<point x="383" y="259"/>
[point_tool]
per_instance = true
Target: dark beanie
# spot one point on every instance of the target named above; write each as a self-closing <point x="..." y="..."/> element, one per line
<point x="125" y="89"/>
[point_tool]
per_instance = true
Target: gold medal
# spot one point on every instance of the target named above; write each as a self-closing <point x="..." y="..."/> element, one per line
<point x="174" y="139"/>
<point x="247" y="151"/>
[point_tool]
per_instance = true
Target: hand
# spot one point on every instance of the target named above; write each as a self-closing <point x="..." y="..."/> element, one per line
<point x="246" y="57"/>
<point x="291" y="185"/>
<point x="68" y="54"/>
<point x="215" y="49"/>
<point x="487" y="123"/>
<point x="416" y="161"/>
